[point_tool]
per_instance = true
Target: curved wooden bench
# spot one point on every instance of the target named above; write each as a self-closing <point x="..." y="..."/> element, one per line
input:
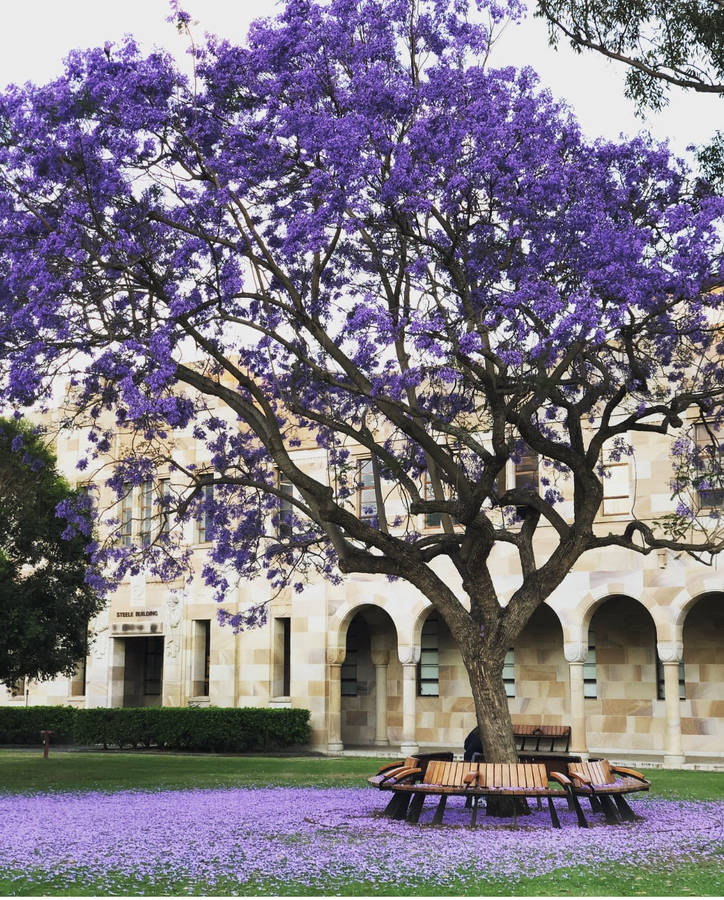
<point x="605" y="784"/>
<point x="553" y="737"/>
<point x="476" y="780"/>
<point x="402" y="771"/>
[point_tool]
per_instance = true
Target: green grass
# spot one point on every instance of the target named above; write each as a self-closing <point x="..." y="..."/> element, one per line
<point x="693" y="879"/>
<point x="25" y="771"/>
<point x="28" y="772"/>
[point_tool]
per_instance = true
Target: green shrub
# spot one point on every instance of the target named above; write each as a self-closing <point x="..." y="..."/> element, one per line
<point x="23" y="724"/>
<point x="208" y="729"/>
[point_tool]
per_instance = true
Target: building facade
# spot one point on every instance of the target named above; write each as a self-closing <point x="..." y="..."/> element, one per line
<point x="629" y="650"/>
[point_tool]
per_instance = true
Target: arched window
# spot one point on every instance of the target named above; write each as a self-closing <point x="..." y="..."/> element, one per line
<point x="428" y="669"/>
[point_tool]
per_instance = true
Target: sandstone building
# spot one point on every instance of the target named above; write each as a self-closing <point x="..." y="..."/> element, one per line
<point x="629" y="650"/>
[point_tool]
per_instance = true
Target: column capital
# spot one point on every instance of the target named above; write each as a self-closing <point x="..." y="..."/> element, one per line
<point x="336" y="655"/>
<point x="380" y="657"/>
<point x="575" y="651"/>
<point x="409" y="655"/>
<point x="670" y="651"/>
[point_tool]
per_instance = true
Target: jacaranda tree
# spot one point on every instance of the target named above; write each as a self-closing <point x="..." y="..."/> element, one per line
<point x="351" y="230"/>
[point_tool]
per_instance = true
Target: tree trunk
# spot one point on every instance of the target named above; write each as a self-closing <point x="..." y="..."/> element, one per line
<point x="485" y="671"/>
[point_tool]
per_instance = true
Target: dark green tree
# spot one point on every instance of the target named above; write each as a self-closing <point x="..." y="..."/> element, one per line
<point x="664" y="45"/>
<point x="45" y="604"/>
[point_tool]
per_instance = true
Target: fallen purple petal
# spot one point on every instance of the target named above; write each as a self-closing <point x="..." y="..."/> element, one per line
<point x="316" y="837"/>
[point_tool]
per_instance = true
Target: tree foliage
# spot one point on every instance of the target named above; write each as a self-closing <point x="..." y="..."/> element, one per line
<point x="44" y="601"/>
<point x="663" y="44"/>
<point x="351" y="231"/>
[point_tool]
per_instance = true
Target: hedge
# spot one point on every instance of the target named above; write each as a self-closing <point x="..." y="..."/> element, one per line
<point x="212" y="729"/>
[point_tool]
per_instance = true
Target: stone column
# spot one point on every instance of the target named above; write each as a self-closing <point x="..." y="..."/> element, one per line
<point x="117" y="671"/>
<point x="575" y="653"/>
<point x="670" y="654"/>
<point x="380" y="659"/>
<point x="409" y="659"/>
<point x="335" y="658"/>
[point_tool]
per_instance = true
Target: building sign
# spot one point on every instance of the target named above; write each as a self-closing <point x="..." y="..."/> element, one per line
<point x="130" y="622"/>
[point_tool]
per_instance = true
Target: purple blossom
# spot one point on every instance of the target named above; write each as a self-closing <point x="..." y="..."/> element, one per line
<point x="319" y="837"/>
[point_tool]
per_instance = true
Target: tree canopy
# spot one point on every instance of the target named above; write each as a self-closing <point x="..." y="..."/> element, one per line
<point x="45" y="603"/>
<point x="664" y="45"/>
<point x="351" y="230"/>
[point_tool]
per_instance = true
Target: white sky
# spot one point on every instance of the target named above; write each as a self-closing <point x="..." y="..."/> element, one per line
<point x="35" y="35"/>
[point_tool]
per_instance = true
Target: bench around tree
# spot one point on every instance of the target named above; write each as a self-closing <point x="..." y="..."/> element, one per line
<point x="605" y="784"/>
<point x="444" y="779"/>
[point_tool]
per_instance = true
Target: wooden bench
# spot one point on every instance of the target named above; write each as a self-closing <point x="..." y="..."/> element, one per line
<point x="402" y="770"/>
<point x="476" y="780"/>
<point x="604" y="785"/>
<point x="542" y="737"/>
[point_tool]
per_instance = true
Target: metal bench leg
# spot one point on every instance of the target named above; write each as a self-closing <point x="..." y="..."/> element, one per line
<point x="474" y="816"/>
<point x="554" y="815"/>
<point x="609" y="809"/>
<point x="573" y="803"/>
<point x="413" y="813"/>
<point x="595" y="803"/>
<point x="625" y="811"/>
<point x="440" y="811"/>
<point x="397" y="807"/>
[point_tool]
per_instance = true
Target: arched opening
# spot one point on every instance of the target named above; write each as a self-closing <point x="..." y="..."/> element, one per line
<point x="620" y="679"/>
<point x="371" y="666"/>
<point x="702" y="713"/>
<point x="536" y="672"/>
<point x="444" y="710"/>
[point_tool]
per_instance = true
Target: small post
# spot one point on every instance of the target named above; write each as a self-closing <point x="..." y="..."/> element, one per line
<point x="45" y="735"/>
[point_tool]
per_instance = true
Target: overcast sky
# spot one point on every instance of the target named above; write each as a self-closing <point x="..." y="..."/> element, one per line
<point x="36" y="35"/>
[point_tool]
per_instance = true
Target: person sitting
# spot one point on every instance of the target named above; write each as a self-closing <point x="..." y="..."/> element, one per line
<point x="473" y="749"/>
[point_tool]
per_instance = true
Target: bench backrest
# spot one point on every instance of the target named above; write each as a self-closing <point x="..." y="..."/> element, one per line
<point x="599" y="772"/>
<point x="502" y="775"/>
<point x="531" y="736"/>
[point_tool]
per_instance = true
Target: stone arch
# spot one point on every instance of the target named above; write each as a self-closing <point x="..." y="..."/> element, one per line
<point x="702" y="711"/>
<point x="339" y="622"/>
<point x="369" y="677"/>
<point x="621" y="704"/>
<point x="540" y="688"/>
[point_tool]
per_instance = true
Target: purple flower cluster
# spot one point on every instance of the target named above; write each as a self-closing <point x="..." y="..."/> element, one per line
<point x="316" y="838"/>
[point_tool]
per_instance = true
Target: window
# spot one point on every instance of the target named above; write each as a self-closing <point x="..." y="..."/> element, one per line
<point x="286" y="509"/>
<point x="78" y="679"/>
<point x="349" y="674"/>
<point x="146" y="511"/>
<point x="428" y="669"/>
<point x="125" y="531"/>
<point x="710" y="453"/>
<point x="164" y="496"/>
<point x="282" y="657"/>
<point x="590" y="688"/>
<point x="201" y="657"/>
<point x="509" y="673"/>
<point x="660" y="688"/>
<point x="616" y="485"/>
<point x="153" y="666"/>
<point x="526" y="471"/>
<point x="206" y="515"/>
<point x="366" y="495"/>
<point x="154" y="510"/>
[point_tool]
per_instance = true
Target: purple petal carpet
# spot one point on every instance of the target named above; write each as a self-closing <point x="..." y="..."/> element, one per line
<point x="317" y="837"/>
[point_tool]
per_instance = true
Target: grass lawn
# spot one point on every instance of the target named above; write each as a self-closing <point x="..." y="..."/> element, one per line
<point x="151" y="823"/>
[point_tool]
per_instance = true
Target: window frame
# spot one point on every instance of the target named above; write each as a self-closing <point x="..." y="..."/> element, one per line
<point x="429" y="658"/>
<point x="365" y="487"/>
<point x="703" y="442"/>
